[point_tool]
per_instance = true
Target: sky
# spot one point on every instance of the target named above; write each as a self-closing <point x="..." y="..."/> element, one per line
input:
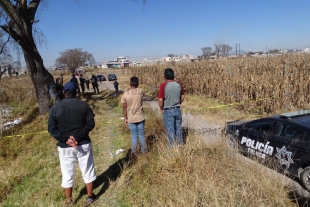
<point x="112" y="28"/>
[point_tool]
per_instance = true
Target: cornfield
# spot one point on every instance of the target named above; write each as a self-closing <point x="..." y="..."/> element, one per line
<point x="266" y="84"/>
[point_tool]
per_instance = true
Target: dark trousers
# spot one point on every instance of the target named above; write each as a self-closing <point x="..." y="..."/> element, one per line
<point x="83" y="87"/>
<point x="95" y="87"/>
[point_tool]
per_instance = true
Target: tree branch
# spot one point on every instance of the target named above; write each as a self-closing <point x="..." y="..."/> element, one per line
<point x="32" y="9"/>
<point x="11" y="11"/>
<point x="2" y="48"/>
<point x="16" y="37"/>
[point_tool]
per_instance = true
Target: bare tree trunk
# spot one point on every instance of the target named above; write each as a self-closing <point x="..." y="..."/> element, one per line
<point x="19" y="25"/>
<point x="2" y="71"/>
<point x="9" y="70"/>
<point x="41" y="80"/>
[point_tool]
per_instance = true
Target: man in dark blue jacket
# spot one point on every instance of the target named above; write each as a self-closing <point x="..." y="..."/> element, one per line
<point x="70" y="122"/>
<point x="75" y="80"/>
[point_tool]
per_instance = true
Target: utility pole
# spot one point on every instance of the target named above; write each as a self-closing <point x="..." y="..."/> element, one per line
<point x="239" y="48"/>
<point x="236" y="50"/>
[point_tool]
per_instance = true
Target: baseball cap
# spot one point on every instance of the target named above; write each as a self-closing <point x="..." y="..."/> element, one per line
<point x="70" y="86"/>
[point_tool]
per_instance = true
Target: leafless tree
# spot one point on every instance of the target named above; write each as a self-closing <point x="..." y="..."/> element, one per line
<point x="222" y="50"/>
<point x="74" y="58"/>
<point x="18" y="18"/>
<point x="218" y="50"/>
<point x="274" y="51"/>
<point x="171" y="55"/>
<point x="90" y="60"/>
<point x="226" y="49"/>
<point x="206" y="52"/>
<point x="2" y="71"/>
<point x="5" y="57"/>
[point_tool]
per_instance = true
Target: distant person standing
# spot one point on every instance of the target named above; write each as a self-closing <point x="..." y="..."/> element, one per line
<point x="115" y="84"/>
<point x="59" y="89"/>
<point x="94" y="83"/>
<point x="134" y="114"/>
<point x="82" y="83"/>
<point x="75" y="80"/>
<point x="87" y="83"/>
<point x="61" y="81"/>
<point x="170" y="96"/>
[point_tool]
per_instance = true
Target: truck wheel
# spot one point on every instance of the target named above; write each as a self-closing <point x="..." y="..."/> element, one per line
<point x="305" y="178"/>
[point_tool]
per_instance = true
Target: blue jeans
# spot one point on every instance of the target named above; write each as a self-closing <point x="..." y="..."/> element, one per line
<point x="137" y="130"/>
<point x="173" y="125"/>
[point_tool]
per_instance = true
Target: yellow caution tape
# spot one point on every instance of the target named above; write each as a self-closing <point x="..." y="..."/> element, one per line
<point x="232" y="104"/>
<point x="21" y="135"/>
<point x="109" y="122"/>
<point x="42" y="132"/>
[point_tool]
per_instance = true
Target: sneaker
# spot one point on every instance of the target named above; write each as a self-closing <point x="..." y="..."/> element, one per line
<point x="91" y="199"/>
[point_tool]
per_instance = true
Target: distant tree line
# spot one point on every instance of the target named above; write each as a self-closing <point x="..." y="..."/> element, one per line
<point x="220" y="50"/>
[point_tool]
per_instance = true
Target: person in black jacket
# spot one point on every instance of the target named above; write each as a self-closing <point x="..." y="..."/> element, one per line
<point x="75" y="80"/>
<point x="82" y="83"/>
<point x="59" y="89"/>
<point x="94" y="83"/>
<point x="115" y="84"/>
<point x="70" y="121"/>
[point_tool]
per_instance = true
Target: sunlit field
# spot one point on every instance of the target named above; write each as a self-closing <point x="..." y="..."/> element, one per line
<point x="196" y="174"/>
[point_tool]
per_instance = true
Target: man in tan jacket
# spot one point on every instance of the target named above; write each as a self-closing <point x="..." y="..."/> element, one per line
<point x="134" y="114"/>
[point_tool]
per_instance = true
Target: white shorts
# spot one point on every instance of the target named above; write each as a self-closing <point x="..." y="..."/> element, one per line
<point x="68" y="157"/>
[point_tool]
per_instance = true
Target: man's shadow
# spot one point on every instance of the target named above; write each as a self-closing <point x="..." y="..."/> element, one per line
<point x="114" y="171"/>
<point x="185" y="133"/>
<point x="111" y="174"/>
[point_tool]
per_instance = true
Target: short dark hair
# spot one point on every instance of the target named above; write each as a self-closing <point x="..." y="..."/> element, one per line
<point x="70" y="93"/>
<point x="134" y="81"/>
<point x="169" y="74"/>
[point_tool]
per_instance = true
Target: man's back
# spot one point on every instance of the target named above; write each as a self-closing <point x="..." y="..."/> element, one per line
<point x="171" y="92"/>
<point x="133" y="99"/>
<point x="72" y="117"/>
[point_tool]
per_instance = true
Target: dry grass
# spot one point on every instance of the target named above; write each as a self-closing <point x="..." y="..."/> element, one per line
<point x="17" y="91"/>
<point x="29" y="165"/>
<point x="193" y="175"/>
<point x="198" y="175"/>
